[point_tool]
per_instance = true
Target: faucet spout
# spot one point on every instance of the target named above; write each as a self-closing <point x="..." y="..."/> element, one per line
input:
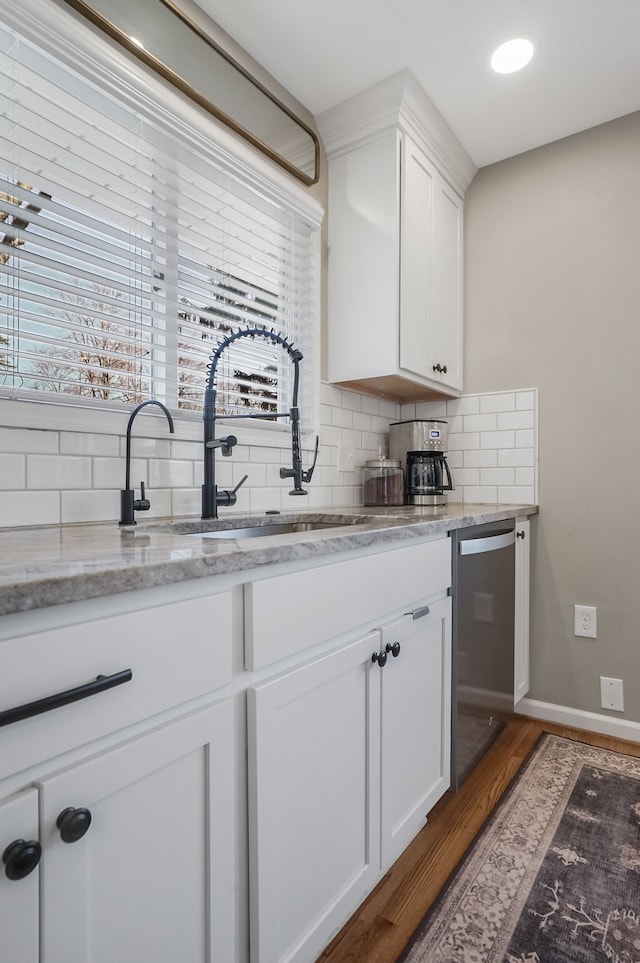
<point x="128" y="503"/>
<point x="211" y="497"/>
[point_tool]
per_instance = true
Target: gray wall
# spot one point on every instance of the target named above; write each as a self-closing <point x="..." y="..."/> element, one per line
<point x="552" y="291"/>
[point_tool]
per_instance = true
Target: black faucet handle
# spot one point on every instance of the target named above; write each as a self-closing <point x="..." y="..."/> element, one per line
<point x="307" y="475"/>
<point x="142" y="504"/>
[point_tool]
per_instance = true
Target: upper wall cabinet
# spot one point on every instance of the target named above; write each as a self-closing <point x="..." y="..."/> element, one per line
<point x="397" y="178"/>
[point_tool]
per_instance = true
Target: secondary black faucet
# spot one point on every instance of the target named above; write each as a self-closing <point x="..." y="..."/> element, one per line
<point x="211" y="497"/>
<point x="128" y="503"/>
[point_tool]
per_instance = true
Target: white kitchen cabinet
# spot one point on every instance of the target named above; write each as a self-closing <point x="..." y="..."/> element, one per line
<point x="150" y="881"/>
<point x="395" y="247"/>
<point x="430" y="307"/>
<point x="19" y="901"/>
<point x="145" y="767"/>
<point x="416" y="723"/>
<point x="348" y="751"/>
<point x="314" y="758"/>
<point x="522" y="609"/>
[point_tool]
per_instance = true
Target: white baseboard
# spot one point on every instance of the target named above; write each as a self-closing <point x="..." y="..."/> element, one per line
<point x="580" y="719"/>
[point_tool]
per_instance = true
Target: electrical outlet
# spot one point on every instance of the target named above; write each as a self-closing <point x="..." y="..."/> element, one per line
<point x="584" y="621"/>
<point x="611" y="695"/>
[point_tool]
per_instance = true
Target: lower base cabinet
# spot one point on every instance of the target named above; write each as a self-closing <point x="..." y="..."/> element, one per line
<point x="19" y="900"/>
<point x="347" y="754"/>
<point x="151" y="879"/>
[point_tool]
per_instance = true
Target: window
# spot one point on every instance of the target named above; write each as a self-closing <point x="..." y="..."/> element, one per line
<point x="129" y="249"/>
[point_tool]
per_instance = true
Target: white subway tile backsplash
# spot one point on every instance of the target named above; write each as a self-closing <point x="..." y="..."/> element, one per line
<point x="58" y="471"/>
<point x="12" y="471"/>
<point x="92" y="505"/>
<point x="497" y="439"/>
<point x="503" y="401"/>
<point x="265" y="499"/>
<point x="186" y="501"/>
<point x="480" y="422"/>
<point x="342" y="417"/>
<point x="525" y="439"/>
<point x="515" y="419"/>
<point x="170" y="473"/>
<point x="455" y="423"/>
<point x="143" y="447"/>
<point x="330" y="435"/>
<point x="467" y="405"/>
<point x="110" y="472"/>
<point x="497" y="476"/>
<point x="466" y="476"/>
<point x="352" y="400"/>
<point x="370" y="405"/>
<point x="186" y="450"/>
<point x="29" y="508"/>
<point x="330" y="395"/>
<point x="487" y="494"/>
<point x="515" y="494"/>
<point x="362" y="421"/>
<point x="525" y="399"/>
<point x="525" y="476"/>
<point x="76" y="443"/>
<point x="464" y="441"/>
<point x="29" y="441"/>
<point x="482" y="458"/>
<point x="524" y="457"/>
<point x="52" y="476"/>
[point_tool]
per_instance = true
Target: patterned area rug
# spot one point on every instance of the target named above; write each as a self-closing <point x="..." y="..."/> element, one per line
<point x="554" y="877"/>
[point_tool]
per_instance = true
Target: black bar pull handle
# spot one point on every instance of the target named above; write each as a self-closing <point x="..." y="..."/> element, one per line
<point x="100" y="684"/>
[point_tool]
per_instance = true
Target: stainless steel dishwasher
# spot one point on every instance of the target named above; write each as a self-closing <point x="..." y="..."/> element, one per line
<point x="483" y="589"/>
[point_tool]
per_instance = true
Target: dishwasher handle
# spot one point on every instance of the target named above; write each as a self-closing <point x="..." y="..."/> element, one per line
<point x="490" y="543"/>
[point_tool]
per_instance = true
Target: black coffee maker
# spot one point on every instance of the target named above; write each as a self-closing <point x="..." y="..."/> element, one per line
<point x="427" y="478"/>
<point x="421" y="447"/>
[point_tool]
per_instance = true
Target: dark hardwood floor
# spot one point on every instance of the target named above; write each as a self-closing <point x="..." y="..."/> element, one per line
<point x="380" y="930"/>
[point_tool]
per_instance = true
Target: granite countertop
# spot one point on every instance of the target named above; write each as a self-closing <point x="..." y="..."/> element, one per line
<point x="55" y="564"/>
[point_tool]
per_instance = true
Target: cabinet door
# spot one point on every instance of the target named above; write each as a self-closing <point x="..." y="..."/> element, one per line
<point x="446" y="299"/>
<point x="418" y="180"/>
<point x="152" y="879"/>
<point x="313" y="803"/>
<point x="415" y="724"/>
<point x="521" y="639"/>
<point x="19" y="900"/>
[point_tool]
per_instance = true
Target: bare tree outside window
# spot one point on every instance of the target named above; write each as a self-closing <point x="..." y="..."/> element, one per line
<point x="97" y="357"/>
<point x="104" y="348"/>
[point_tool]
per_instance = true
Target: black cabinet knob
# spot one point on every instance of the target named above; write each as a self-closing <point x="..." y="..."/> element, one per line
<point x="20" y="858"/>
<point x="394" y="649"/>
<point x="73" y="823"/>
<point x="380" y="658"/>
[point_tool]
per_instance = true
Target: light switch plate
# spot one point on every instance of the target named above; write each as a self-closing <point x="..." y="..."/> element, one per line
<point x="611" y="694"/>
<point x="346" y="456"/>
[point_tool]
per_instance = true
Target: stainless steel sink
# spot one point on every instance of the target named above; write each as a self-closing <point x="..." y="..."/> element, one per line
<point x="260" y="527"/>
<point x="259" y="531"/>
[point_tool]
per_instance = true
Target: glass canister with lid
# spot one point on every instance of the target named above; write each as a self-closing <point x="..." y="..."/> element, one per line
<point x="382" y="482"/>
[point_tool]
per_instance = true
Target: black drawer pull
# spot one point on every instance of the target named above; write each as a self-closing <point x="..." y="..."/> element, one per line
<point x="100" y="683"/>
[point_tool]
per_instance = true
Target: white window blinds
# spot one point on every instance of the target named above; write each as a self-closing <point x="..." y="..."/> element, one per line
<point x="127" y="253"/>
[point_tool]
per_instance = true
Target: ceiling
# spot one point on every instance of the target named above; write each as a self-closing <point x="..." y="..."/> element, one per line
<point x="586" y="69"/>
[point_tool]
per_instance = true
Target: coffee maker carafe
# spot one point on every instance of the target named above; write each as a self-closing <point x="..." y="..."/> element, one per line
<point x="421" y="447"/>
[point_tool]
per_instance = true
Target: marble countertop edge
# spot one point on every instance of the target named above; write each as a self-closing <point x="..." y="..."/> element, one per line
<point x="52" y="565"/>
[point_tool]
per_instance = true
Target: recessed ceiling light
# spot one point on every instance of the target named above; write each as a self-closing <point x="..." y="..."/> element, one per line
<point x="512" y="55"/>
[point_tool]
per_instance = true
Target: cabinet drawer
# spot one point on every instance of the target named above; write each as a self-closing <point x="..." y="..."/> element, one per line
<point x="175" y="652"/>
<point x="287" y="614"/>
